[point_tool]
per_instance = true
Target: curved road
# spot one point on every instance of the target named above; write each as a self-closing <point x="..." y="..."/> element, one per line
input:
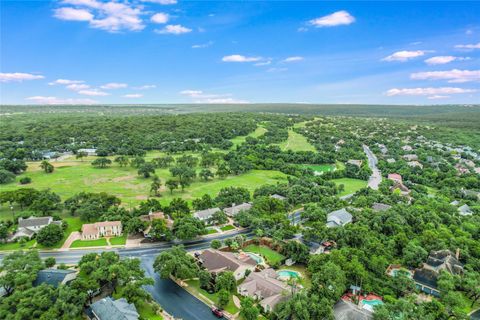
<point x="175" y="300"/>
<point x="376" y="176"/>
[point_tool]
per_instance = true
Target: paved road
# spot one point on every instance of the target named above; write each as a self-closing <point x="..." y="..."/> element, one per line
<point x="176" y="301"/>
<point x="376" y="176"/>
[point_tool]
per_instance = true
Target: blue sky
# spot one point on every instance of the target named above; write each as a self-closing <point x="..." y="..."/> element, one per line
<point x="164" y="51"/>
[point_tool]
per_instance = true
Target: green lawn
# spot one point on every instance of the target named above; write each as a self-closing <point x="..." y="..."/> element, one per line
<point x="305" y="279"/>
<point x="211" y="231"/>
<point x="73" y="176"/>
<point x="296" y="142"/>
<point x="89" y="243"/>
<point x="227" y="227"/>
<point x="17" y="246"/>
<point x="255" y="134"/>
<point x="320" y="167"/>
<point x="351" y="185"/>
<point x="271" y="256"/>
<point x="117" y="241"/>
<point x="194" y="288"/>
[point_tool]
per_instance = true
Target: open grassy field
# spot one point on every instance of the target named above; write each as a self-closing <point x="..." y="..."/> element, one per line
<point x="271" y="256"/>
<point x="320" y="167"/>
<point x="296" y="142"/>
<point x="73" y="176"/>
<point x="241" y="139"/>
<point x="351" y="185"/>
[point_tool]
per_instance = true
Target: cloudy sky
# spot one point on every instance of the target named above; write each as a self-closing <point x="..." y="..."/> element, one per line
<point x="169" y="51"/>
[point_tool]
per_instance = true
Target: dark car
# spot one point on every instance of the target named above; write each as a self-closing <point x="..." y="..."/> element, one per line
<point x="217" y="312"/>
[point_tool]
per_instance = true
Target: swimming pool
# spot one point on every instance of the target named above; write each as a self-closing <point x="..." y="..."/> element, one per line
<point x="373" y="302"/>
<point x="256" y="257"/>
<point x="287" y="274"/>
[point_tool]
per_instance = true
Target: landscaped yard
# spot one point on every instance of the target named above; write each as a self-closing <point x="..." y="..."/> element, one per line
<point x="89" y="243"/>
<point x="227" y="227"/>
<point x="305" y="279"/>
<point x="211" y="231"/>
<point x="271" y="256"/>
<point x="194" y="288"/>
<point x="17" y="246"/>
<point x="73" y="176"/>
<point x="351" y="185"/>
<point x="241" y="139"/>
<point x="117" y="241"/>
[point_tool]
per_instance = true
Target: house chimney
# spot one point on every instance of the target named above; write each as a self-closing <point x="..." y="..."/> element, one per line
<point x="457" y="253"/>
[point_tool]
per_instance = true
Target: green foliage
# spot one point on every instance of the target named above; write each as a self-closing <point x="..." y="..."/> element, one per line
<point x="101" y="162"/>
<point x="177" y="263"/>
<point x="50" y="235"/>
<point x="248" y="309"/>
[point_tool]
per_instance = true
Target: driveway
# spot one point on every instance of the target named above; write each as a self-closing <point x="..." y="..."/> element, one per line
<point x="75" y="235"/>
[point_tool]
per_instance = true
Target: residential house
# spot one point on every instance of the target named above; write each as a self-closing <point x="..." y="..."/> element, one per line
<point x="444" y="260"/>
<point x="380" y="207"/>
<point x="206" y="214"/>
<point x="395" y="177"/>
<point x="278" y="197"/>
<point x="471" y="194"/>
<point x="30" y="226"/>
<point x="149" y="218"/>
<point x="338" y="218"/>
<point x="357" y="163"/>
<point x="346" y="310"/>
<point x="407" y="148"/>
<point x="465" y="210"/>
<point x="404" y="190"/>
<point x="461" y="169"/>
<point x="216" y="261"/>
<point x="235" y="209"/>
<point x="410" y="157"/>
<point x="264" y="286"/>
<point x="89" y="152"/>
<point x="391" y="160"/>
<point x="91" y="231"/>
<point x="55" y="277"/>
<point x="415" y="164"/>
<point x="110" y="309"/>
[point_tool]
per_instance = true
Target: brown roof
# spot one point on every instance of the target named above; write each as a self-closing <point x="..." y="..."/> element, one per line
<point x="92" y="228"/>
<point x="89" y="228"/>
<point x="215" y="260"/>
<point x="153" y="216"/>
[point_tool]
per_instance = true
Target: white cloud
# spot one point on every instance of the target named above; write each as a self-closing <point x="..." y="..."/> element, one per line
<point x="468" y="46"/>
<point x="453" y="76"/>
<point x="437" y="97"/>
<point x="240" y="58"/>
<point x="111" y="16"/>
<point x="163" y="2"/>
<point x="263" y="63"/>
<point x="93" y="92"/>
<point x="444" y="59"/>
<point x="199" y="96"/>
<point x="133" y="95"/>
<point x="203" y="45"/>
<point x="65" y="82"/>
<point x="335" y="19"/>
<point x="426" y="91"/>
<point x="55" y="100"/>
<point x="173" y="29"/>
<point x="404" y="55"/>
<point x="18" y="77"/>
<point x="73" y="14"/>
<point x="293" y="59"/>
<point x="77" y="87"/>
<point x="114" y="85"/>
<point x="160" y="18"/>
<point x="145" y="87"/>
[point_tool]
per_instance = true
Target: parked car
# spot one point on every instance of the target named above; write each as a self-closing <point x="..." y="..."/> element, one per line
<point x="217" y="312"/>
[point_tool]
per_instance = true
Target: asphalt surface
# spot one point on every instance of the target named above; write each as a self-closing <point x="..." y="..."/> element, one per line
<point x="376" y="176"/>
<point x="175" y="300"/>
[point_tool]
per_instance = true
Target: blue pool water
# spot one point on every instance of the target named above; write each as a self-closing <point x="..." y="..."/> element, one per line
<point x="372" y="302"/>
<point x="288" y="274"/>
<point x="255" y="257"/>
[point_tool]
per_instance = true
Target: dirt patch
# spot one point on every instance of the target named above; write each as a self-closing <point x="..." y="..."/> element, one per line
<point x="141" y="197"/>
<point x="124" y="178"/>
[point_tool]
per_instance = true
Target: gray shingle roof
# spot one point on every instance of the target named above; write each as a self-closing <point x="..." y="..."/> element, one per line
<point x="34" y="222"/>
<point x="233" y="210"/>
<point x="215" y="260"/>
<point x="109" y="309"/>
<point x="205" y="214"/>
<point x="338" y="218"/>
<point x="380" y="207"/>
<point x="344" y="310"/>
<point x="54" y="277"/>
